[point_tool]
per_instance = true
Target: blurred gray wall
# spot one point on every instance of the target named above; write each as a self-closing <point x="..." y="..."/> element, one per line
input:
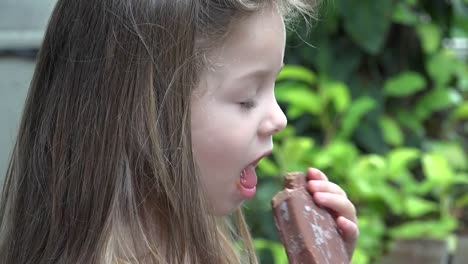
<point x="22" y="22"/>
<point x="15" y="75"/>
<point x="22" y="26"/>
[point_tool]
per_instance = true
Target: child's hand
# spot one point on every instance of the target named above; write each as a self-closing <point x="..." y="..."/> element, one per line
<point x="329" y="195"/>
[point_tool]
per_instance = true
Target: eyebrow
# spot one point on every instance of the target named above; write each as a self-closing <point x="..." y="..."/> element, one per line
<point x="258" y="73"/>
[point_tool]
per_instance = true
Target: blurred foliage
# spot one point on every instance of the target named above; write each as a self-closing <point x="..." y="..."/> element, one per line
<point x="377" y="99"/>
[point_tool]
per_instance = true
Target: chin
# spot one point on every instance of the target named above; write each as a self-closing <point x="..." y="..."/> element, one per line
<point x="227" y="209"/>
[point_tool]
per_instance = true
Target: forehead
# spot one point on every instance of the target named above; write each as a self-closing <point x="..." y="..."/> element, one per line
<point x="254" y="43"/>
<point x="262" y="28"/>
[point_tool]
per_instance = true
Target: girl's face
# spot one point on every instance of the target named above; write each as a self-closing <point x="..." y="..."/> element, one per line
<point x="234" y="110"/>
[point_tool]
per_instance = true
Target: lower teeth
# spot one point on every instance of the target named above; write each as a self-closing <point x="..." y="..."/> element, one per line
<point x="242" y="177"/>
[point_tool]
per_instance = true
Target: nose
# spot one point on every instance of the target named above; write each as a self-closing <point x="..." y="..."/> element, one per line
<point x="275" y="120"/>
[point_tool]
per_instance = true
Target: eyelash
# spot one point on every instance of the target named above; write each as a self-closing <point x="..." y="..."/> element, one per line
<point x="247" y="105"/>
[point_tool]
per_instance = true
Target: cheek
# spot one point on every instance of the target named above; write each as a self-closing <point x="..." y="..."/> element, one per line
<point x="218" y="139"/>
<point x="216" y="144"/>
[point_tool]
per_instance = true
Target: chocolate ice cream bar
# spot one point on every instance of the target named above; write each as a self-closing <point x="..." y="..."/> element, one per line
<point x="308" y="232"/>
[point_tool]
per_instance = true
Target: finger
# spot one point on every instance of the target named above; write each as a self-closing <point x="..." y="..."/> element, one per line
<point x="350" y="233"/>
<point x="337" y="203"/>
<point x="348" y="229"/>
<point x="315" y="174"/>
<point x="325" y="186"/>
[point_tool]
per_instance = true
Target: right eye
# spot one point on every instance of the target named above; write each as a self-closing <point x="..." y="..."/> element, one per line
<point x="247" y="105"/>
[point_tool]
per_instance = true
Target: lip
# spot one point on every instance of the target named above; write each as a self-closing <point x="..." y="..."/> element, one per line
<point x="255" y="162"/>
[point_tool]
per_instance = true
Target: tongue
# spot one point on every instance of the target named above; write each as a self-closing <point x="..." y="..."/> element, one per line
<point x="247" y="182"/>
<point x="248" y="178"/>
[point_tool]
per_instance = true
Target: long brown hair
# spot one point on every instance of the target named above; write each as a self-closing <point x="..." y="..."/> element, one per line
<point x="102" y="169"/>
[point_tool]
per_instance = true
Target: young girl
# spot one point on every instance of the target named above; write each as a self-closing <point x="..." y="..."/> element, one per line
<point x="141" y="132"/>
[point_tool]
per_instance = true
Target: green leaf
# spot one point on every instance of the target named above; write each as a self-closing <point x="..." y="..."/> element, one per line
<point x="437" y="169"/>
<point x="404" y="15"/>
<point x="425" y="229"/>
<point x="460" y="19"/>
<point x="462" y="202"/>
<point x="287" y="132"/>
<point x="399" y="160"/>
<point x="294" y="112"/>
<point x="297" y="73"/>
<point x="392" y="133"/>
<point x="434" y="100"/>
<point x="366" y="173"/>
<point x="268" y="167"/>
<point x="460" y="178"/>
<point x="367" y="22"/>
<point x="338" y="93"/>
<point x="265" y="190"/>
<point x="343" y="61"/>
<point x="416" y="207"/>
<point x="462" y="76"/>
<point x="430" y="36"/>
<point x="372" y="228"/>
<point x="364" y="189"/>
<point x="404" y="84"/>
<point x="300" y="97"/>
<point x="276" y="249"/>
<point x="409" y="120"/>
<point x="409" y="185"/>
<point x="442" y="66"/>
<point x="461" y="112"/>
<point x="391" y="197"/>
<point x="453" y="153"/>
<point x="360" y="257"/>
<point x="343" y="151"/>
<point x="292" y="153"/>
<point x="354" y="114"/>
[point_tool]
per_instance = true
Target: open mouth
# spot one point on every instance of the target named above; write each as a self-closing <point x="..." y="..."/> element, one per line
<point x="247" y="184"/>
